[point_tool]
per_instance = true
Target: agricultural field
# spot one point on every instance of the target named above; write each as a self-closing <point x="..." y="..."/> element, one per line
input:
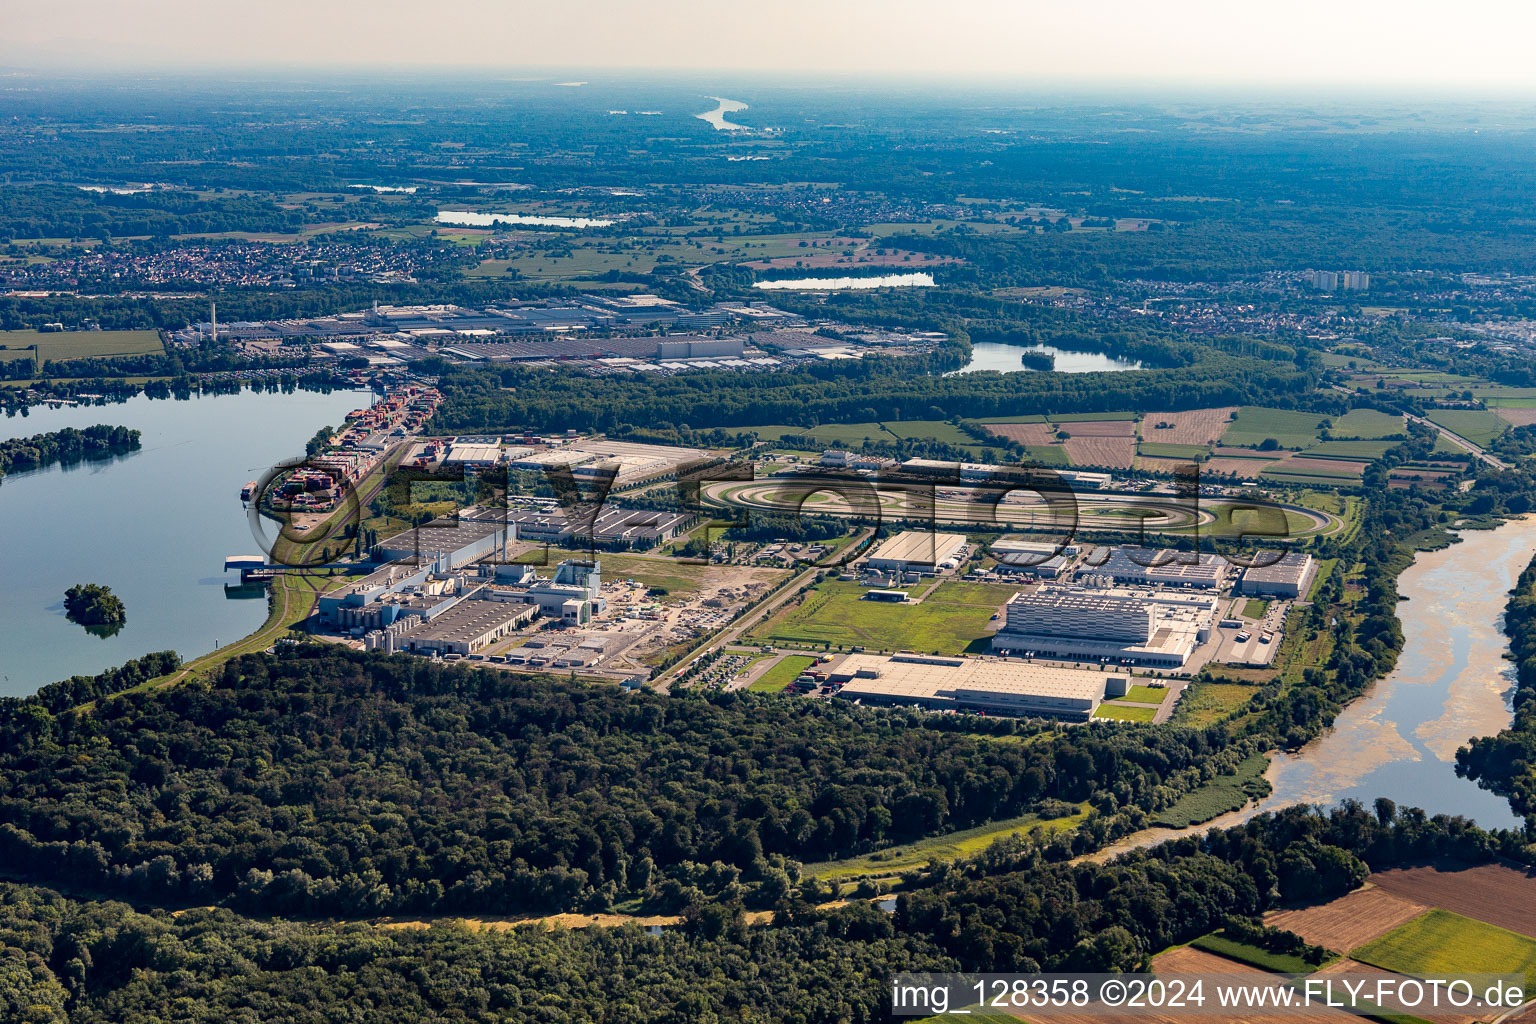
<point x="1183" y="452"/>
<point x="1366" y="450"/>
<point x="1101" y="452"/>
<point x="1348" y="921"/>
<point x="1521" y="416"/>
<point x="1107" y="444"/>
<point x="1479" y="426"/>
<point x="1303" y="469"/>
<point x="953" y="619"/>
<point x="1048" y="455"/>
<point x="1368" y="425"/>
<point x="1439" y="941"/>
<point x="77" y="344"/>
<point x="1253" y="956"/>
<point x="1199" y="427"/>
<point x="1255" y="425"/>
<point x="1500" y="895"/>
<point x="782" y="674"/>
<point x="1033" y="434"/>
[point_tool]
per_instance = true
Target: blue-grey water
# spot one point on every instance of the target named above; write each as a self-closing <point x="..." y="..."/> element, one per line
<point x="995" y="355"/>
<point x="1451" y="683"/>
<point x="153" y="525"/>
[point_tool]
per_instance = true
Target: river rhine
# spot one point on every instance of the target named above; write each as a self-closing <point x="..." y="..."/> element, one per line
<point x="1452" y="682"/>
<point x="153" y="525"/>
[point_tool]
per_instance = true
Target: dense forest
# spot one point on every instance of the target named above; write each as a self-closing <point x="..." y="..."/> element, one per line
<point x="873" y="389"/>
<point x="67" y="961"/>
<point x="344" y="783"/>
<point x="66" y="445"/>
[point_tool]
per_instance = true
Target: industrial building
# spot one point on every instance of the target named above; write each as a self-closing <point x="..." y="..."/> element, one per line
<point x="837" y="459"/>
<point x="918" y="551"/>
<point x="969" y="684"/>
<point x="693" y="348"/>
<point x="1163" y="568"/>
<point x="445" y="543"/>
<point x="468" y="626"/>
<point x="1120" y="625"/>
<point x="1288" y="575"/>
<point x="981" y="472"/>
<point x="613" y="527"/>
<point x="1032" y="558"/>
<point x="378" y="599"/>
<point x="573" y="596"/>
<point x="627" y="462"/>
<point x="459" y="613"/>
<point x="481" y="452"/>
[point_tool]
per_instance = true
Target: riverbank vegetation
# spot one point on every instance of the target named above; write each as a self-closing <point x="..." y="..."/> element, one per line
<point x="66" y="446"/>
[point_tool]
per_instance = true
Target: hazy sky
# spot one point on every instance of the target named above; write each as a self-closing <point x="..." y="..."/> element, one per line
<point x="1484" y="44"/>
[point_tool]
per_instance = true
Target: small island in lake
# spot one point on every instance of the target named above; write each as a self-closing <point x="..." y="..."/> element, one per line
<point x="95" y="607"/>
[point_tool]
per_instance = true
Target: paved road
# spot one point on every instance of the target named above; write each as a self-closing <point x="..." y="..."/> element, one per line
<point x="1460" y="442"/>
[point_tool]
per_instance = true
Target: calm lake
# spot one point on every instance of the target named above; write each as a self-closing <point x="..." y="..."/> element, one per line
<point x="154" y="526"/>
<point x="993" y="355"/>
<point x="717" y="116"/>
<point x="835" y="284"/>
<point x="470" y="219"/>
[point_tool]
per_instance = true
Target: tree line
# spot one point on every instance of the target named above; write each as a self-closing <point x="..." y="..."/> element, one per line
<point x="66" y="445"/>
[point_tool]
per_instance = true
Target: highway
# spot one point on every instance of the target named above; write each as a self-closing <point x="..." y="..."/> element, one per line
<point x="1460" y="442"/>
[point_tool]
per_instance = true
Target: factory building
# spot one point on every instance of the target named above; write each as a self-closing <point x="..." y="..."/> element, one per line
<point x="624" y="469"/>
<point x="980" y="472"/>
<point x="574" y="595"/>
<point x="445" y="543"/>
<point x="469" y="625"/>
<point x="918" y="551"/>
<point x="1068" y="612"/>
<point x="1032" y="558"/>
<point x="968" y="684"/>
<point x="1290" y="575"/>
<point x="613" y="527"/>
<point x="481" y="452"/>
<point x="376" y="600"/>
<point x="694" y="348"/>
<point x="837" y="459"/>
<point x="1117" y="625"/>
<point x="553" y="459"/>
<point x="1163" y="568"/>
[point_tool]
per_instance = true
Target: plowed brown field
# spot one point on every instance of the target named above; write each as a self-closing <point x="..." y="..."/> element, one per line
<point x="1108" y="452"/>
<point x="1348" y="921"/>
<point x="1024" y="433"/>
<point x="1193" y="426"/>
<point x="1499" y="895"/>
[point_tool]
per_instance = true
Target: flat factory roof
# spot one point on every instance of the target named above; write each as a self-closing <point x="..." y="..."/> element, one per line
<point x="919" y="547"/>
<point x="1291" y="567"/>
<point x="467" y="621"/>
<point x="1003" y="682"/>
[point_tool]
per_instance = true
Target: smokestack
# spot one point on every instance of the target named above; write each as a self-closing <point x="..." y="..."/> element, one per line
<point x="213" y="319"/>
